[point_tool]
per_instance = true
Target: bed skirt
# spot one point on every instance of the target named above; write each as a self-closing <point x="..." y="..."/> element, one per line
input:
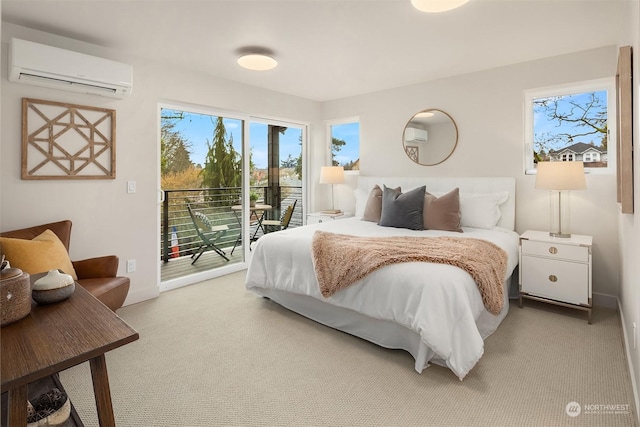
<point x="384" y="333"/>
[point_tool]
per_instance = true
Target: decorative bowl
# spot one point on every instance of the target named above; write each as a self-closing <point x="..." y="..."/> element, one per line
<point x="50" y="409"/>
<point x="53" y="287"/>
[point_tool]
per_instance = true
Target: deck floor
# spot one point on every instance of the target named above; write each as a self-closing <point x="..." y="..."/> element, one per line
<point x="180" y="267"/>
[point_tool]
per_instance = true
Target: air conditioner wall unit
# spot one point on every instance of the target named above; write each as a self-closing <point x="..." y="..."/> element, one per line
<point x="415" y="135"/>
<point x="48" y="66"/>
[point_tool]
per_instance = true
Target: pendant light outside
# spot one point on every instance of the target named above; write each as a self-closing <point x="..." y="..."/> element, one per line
<point x="437" y="6"/>
<point x="257" y="62"/>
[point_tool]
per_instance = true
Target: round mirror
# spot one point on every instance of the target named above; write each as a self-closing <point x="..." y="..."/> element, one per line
<point x="430" y="137"/>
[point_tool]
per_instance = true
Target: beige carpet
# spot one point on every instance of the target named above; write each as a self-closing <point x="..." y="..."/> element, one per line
<point x="213" y="354"/>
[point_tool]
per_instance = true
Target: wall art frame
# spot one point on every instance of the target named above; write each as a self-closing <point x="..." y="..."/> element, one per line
<point x="413" y="153"/>
<point x="67" y="141"/>
<point x="624" y="119"/>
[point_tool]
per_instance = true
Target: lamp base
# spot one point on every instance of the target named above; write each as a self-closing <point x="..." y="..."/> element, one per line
<point x="560" y="235"/>
<point x="332" y="211"/>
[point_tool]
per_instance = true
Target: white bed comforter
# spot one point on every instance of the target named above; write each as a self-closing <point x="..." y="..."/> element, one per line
<point x="440" y="303"/>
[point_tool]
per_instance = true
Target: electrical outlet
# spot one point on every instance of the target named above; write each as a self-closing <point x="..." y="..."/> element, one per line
<point x="131" y="265"/>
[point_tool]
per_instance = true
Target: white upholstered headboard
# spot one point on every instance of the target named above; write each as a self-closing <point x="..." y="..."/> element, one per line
<point x="467" y="185"/>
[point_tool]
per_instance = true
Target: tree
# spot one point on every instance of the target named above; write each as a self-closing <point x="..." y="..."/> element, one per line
<point x="289" y="162"/>
<point x="336" y="146"/>
<point x="186" y="179"/>
<point x="175" y="151"/>
<point x="575" y="118"/>
<point x="222" y="167"/>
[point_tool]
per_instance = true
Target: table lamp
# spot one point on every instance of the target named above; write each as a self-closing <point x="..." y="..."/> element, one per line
<point x="560" y="178"/>
<point x="332" y="175"/>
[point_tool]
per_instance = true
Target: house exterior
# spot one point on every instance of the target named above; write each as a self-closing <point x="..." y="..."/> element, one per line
<point x="579" y="152"/>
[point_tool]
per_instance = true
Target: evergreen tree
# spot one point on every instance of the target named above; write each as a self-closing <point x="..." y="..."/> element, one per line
<point x="336" y="146"/>
<point x="222" y="167"/>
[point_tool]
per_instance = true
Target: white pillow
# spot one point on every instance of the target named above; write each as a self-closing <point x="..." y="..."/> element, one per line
<point x="361" y="201"/>
<point x="481" y="210"/>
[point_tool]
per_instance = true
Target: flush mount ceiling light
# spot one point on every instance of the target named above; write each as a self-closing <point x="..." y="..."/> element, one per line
<point x="257" y="61"/>
<point x="437" y="6"/>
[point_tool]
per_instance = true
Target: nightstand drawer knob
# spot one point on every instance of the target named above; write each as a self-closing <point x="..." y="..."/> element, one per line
<point x="553" y="250"/>
<point x="319" y="221"/>
<point x="553" y="278"/>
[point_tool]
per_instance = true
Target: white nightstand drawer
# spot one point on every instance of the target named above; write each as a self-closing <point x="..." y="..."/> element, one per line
<point x="315" y="219"/>
<point x="558" y="280"/>
<point x="556" y="250"/>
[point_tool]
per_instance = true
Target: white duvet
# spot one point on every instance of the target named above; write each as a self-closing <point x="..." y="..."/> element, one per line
<point x="440" y="303"/>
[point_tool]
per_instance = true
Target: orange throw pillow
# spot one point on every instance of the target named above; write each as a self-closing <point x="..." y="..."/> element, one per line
<point x="43" y="253"/>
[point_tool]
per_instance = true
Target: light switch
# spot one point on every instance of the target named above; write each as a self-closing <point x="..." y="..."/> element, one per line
<point x="131" y="187"/>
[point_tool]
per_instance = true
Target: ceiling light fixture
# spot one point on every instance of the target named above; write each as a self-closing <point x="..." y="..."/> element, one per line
<point x="257" y="61"/>
<point x="437" y="6"/>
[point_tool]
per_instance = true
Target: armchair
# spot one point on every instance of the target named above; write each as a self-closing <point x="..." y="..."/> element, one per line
<point x="97" y="275"/>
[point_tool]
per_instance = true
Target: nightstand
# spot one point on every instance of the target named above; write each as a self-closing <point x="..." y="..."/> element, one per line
<point x="317" y="217"/>
<point x="556" y="270"/>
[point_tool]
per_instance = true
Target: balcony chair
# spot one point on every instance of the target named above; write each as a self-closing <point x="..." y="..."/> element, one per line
<point x="282" y="223"/>
<point x="209" y="234"/>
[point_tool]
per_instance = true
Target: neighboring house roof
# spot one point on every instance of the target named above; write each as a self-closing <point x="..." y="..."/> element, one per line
<point x="578" y="148"/>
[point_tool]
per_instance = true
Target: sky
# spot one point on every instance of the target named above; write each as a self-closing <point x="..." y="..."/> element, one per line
<point x="198" y="129"/>
<point x="542" y="125"/>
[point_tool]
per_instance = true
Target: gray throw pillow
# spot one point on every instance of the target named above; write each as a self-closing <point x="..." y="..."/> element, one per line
<point x="442" y="213"/>
<point x="373" y="208"/>
<point x="402" y="210"/>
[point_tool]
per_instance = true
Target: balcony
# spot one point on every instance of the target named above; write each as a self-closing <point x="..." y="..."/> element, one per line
<point x="216" y="204"/>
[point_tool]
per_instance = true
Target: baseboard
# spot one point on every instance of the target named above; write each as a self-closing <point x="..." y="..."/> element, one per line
<point x="139" y="295"/>
<point x="604" y="300"/>
<point x="634" y="385"/>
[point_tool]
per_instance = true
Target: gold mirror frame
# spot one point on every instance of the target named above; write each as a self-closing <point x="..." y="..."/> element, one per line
<point x="430" y="137"/>
<point x="624" y="142"/>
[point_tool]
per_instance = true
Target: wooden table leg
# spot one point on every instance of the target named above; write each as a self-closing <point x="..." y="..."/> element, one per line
<point x="18" y="406"/>
<point x="102" y="392"/>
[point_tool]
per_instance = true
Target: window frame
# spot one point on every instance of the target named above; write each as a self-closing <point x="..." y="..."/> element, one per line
<point x="342" y="121"/>
<point x="608" y="84"/>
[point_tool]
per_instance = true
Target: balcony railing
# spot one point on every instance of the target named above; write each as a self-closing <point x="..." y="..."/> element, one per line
<point x="216" y="204"/>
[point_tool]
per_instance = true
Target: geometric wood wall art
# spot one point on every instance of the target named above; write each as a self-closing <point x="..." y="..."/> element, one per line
<point x="67" y="141"/>
<point x="412" y="152"/>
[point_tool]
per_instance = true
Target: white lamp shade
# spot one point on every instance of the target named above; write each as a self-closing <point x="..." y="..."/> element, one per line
<point x="332" y="175"/>
<point x="437" y="6"/>
<point x="560" y="176"/>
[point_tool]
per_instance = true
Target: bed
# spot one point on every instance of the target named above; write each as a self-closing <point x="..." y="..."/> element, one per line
<point x="434" y="311"/>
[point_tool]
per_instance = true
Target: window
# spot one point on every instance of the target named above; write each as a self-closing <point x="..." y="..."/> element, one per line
<point x="571" y="123"/>
<point x="345" y="144"/>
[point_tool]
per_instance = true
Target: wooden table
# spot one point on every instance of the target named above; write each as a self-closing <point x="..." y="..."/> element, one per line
<point x="58" y="336"/>
<point x="253" y="211"/>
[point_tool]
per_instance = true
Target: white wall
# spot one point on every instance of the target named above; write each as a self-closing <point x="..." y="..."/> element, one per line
<point x="629" y="225"/>
<point x="107" y="220"/>
<point x="488" y="109"/>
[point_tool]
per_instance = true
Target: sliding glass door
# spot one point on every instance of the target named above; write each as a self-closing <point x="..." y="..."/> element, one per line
<point x="201" y="164"/>
<point x="214" y="199"/>
<point x="277" y="168"/>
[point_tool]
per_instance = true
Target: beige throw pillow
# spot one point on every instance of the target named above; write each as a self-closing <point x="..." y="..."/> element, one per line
<point x="442" y="213"/>
<point x="373" y="208"/>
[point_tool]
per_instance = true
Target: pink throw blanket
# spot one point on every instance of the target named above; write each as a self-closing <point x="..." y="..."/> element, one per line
<point x="340" y="260"/>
